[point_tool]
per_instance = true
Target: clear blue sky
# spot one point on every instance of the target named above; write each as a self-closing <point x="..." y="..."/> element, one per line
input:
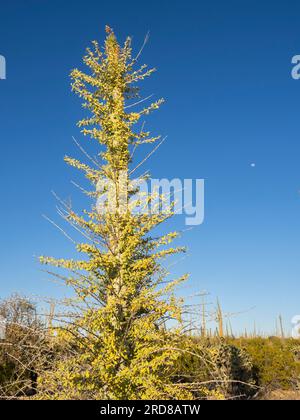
<point x="224" y="69"/>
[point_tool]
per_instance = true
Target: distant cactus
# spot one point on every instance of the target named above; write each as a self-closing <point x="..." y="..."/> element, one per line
<point x="224" y="369"/>
<point x="232" y="367"/>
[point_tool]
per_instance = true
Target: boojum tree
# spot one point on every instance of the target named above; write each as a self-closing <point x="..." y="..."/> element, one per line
<point x="122" y="346"/>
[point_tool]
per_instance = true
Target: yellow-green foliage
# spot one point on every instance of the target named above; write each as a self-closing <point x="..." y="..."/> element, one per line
<point x="120" y="346"/>
<point x="276" y="361"/>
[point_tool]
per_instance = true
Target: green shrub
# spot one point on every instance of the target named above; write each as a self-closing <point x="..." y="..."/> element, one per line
<point x="275" y="361"/>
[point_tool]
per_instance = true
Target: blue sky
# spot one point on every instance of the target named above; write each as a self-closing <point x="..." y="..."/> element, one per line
<point x="224" y="69"/>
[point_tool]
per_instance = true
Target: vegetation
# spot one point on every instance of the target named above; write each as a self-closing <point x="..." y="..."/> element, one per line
<point x="208" y="366"/>
<point x="275" y="360"/>
<point x="122" y="335"/>
<point x="20" y="348"/>
<point x="116" y="326"/>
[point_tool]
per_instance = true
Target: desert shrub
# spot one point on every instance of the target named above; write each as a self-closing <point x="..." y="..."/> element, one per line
<point x="19" y="348"/>
<point x="275" y="361"/>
